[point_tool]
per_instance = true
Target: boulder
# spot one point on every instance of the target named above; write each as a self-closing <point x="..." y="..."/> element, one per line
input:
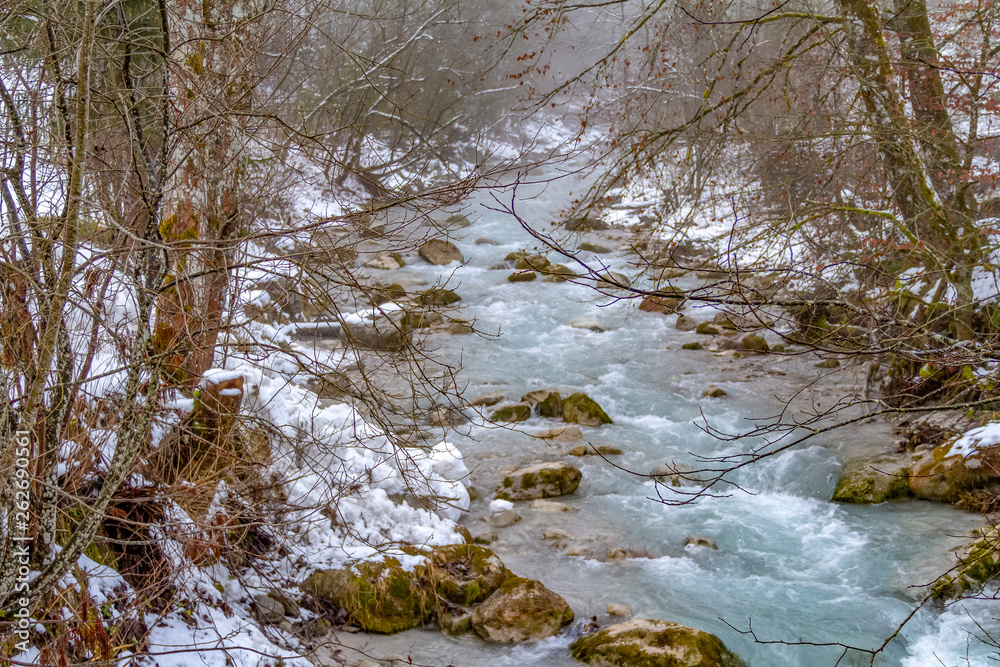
<point x="661" y="304"/>
<point x="440" y="252"/>
<point x="522" y="277"/>
<point x="706" y="329"/>
<point x="615" y="609"/>
<point x="753" y="343"/>
<point x="482" y="240"/>
<point x="685" y="324"/>
<point x="438" y="297"/>
<point x="504" y="519"/>
<point x="581" y="409"/>
<point x="457" y="221"/>
<point x="383" y="335"/>
<point x="594" y="248"/>
<point x="612" y="280"/>
<point x="460" y="328"/>
<point x="287" y="602"/>
<point x="386" y="261"/>
<point x="652" y="643"/>
<point x="465" y="573"/>
<point x="446" y="416"/>
<point x="674" y="474"/>
<point x="518" y="412"/>
<point x="492" y="398"/>
<point x="568" y="433"/>
<point x="378" y="597"/>
<point x="723" y="343"/>
<point x="828" y="363"/>
<point x="601" y="450"/>
<point x="547" y="403"/>
<point x="521" y="610"/>
<point x="551" y="506"/>
<point x="713" y="392"/>
<point x="420" y="319"/>
<point x="978" y="564"/>
<point x="956" y="467"/>
<point x="268" y="610"/>
<point x="531" y="263"/>
<point x="542" y="480"/>
<point x="737" y="322"/>
<point x="557" y="273"/>
<point x="872" y="482"/>
<point x="692" y="346"/>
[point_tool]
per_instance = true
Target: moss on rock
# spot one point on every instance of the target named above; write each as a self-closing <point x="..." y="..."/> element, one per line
<point x="465" y="573"/>
<point x="871" y="484"/>
<point x="378" y="597"/>
<point x="978" y="564"/>
<point x="653" y="643"/>
<point x="581" y="409"/>
<point x="542" y="480"/>
<point x="521" y="610"/>
<point x="512" y="413"/>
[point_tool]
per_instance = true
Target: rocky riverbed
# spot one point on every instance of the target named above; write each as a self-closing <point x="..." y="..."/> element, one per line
<point x="567" y="495"/>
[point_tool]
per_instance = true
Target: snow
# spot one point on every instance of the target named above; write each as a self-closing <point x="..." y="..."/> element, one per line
<point x="971" y="441"/>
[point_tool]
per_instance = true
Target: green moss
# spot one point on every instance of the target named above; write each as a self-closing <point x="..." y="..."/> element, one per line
<point x="868" y="486"/>
<point x="654" y="644"/>
<point x="979" y="564"/>
<point x="581" y="409"/>
<point x="528" y="480"/>
<point x="706" y="329"/>
<point x="692" y="346"/>
<point x="512" y="413"/>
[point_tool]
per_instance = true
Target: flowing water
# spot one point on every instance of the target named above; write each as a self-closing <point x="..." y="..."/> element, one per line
<point x="789" y="562"/>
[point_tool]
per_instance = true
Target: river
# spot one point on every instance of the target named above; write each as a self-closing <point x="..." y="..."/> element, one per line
<point x="790" y="562"/>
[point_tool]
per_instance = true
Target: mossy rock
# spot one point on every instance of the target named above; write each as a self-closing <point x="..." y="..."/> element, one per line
<point x="521" y="610"/>
<point x="692" y="346"/>
<point x="465" y="573"/>
<point x="652" y="643"/>
<point x="378" y="597"/>
<point x="978" y="565"/>
<point x="542" y="480"/>
<point x="438" y="297"/>
<point x="706" y="329"/>
<point x="416" y="319"/>
<point x="532" y="263"/>
<point x="512" y="413"/>
<point x="547" y="403"/>
<point x="664" y="305"/>
<point x="522" y="277"/>
<point x="594" y="248"/>
<point x="457" y="221"/>
<point x="557" y="273"/>
<point x="949" y="472"/>
<point x="581" y="409"/>
<point x="440" y="252"/>
<point x="871" y="484"/>
<point x="754" y="343"/>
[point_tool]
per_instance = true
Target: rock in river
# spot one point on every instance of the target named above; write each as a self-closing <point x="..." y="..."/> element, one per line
<point x="962" y="464"/>
<point x="542" y="480"/>
<point x="651" y="643"/>
<point x="440" y="252"/>
<point x="581" y="409"/>
<point x="522" y="609"/>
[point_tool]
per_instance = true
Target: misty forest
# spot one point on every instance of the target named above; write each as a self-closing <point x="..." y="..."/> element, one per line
<point x="483" y="333"/>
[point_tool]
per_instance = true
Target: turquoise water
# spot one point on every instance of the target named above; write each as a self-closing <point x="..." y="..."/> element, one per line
<point x="794" y="565"/>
